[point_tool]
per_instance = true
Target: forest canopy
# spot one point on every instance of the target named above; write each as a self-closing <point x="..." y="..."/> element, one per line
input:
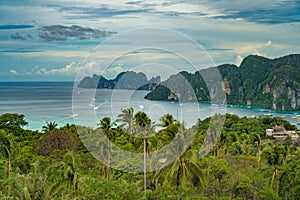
<point x="243" y="163"/>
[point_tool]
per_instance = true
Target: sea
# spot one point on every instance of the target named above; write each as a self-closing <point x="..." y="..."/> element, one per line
<point x="62" y="103"/>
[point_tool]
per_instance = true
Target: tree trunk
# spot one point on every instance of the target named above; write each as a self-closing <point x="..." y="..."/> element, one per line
<point x="258" y="157"/>
<point x="107" y="170"/>
<point x="8" y="166"/>
<point x="145" y="163"/>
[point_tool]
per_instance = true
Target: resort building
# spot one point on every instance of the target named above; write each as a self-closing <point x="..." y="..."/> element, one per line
<point x="279" y="133"/>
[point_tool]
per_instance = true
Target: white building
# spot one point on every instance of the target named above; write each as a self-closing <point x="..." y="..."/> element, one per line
<point x="280" y="133"/>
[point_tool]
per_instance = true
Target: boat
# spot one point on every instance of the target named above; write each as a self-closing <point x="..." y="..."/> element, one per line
<point x="268" y="114"/>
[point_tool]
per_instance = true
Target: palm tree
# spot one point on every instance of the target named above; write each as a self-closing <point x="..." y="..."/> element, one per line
<point x="168" y="133"/>
<point x="167" y="120"/>
<point x="71" y="171"/>
<point x="127" y="119"/>
<point x="257" y="146"/>
<point x="106" y="126"/>
<point x="50" y="126"/>
<point x="14" y="184"/>
<point x="235" y="148"/>
<point x="62" y="178"/>
<point x="245" y="141"/>
<point x="185" y="169"/>
<point x="227" y="138"/>
<point x="35" y="182"/>
<point x="143" y="122"/>
<point x="55" y="180"/>
<point x="23" y="186"/>
<point x="5" y="148"/>
<point x="275" y="156"/>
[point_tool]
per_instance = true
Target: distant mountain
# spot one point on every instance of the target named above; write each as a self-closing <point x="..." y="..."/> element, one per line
<point x="125" y="80"/>
<point x="258" y="81"/>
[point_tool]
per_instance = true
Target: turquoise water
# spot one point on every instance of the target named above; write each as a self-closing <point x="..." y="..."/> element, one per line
<point x="54" y="101"/>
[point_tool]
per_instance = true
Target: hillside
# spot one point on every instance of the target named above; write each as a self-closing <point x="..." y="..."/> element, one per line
<point x="258" y="81"/>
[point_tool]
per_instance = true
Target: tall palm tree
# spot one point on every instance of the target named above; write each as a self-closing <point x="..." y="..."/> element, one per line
<point x="143" y="122"/>
<point x="275" y="156"/>
<point x="106" y="126"/>
<point x="256" y="143"/>
<point x="50" y="126"/>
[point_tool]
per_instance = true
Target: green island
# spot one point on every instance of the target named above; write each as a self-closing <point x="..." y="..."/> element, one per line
<point x="258" y="81"/>
<point x="245" y="162"/>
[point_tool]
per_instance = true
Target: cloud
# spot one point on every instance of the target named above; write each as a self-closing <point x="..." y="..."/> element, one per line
<point x="17" y="36"/>
<point x="265" y="11"/>
<point x="68" y="70"/>
<point x="88" y="69"/>
<point x="97" y="10"/>
<point x="12" y="71"/>
<point x="115" y="70"/>
<point x="62" y="33"/>
<point x="238" y="60"/>
<point x="189" y="8"/>
<point x="98" y="67"/>
<point x="256" y="48"/>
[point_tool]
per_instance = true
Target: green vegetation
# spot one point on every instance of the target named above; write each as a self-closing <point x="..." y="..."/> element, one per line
<point x="258" y="81"/>
<point x="54" y="164"/>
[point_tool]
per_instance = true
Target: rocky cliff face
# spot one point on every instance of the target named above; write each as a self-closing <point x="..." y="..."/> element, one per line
<point x="258" y="81"/>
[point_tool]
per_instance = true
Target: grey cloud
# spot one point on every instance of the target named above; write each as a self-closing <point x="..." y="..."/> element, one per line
<point x="62" y="33"/>
<point x="96" y="12"/>
<point x="17" y="36"/>
<point x="134" y="2"/>
<point x="265" y="11"/>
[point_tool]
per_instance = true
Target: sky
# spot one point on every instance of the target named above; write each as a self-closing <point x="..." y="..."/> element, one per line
<point x="54" y="40"/>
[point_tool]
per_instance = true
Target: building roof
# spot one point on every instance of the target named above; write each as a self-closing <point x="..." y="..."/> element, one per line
<point x="279" y="129"/>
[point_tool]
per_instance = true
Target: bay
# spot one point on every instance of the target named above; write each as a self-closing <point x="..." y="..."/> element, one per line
<point x="55" y="101"/>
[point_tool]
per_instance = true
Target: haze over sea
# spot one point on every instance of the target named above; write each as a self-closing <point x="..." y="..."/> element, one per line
<point x="52" y="101"/>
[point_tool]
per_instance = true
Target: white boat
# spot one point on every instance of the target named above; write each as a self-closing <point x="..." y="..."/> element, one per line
<point x="268" y="114"/>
